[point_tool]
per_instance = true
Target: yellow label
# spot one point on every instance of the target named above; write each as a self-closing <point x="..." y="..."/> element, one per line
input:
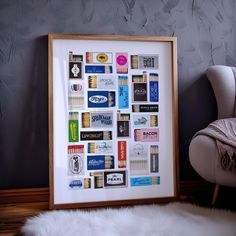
<point x="102" y="57"/>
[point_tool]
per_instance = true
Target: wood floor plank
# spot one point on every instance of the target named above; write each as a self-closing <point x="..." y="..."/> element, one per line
<point x="13" y="216"/>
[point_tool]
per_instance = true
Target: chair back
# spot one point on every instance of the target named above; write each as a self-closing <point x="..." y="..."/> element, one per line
<point x="223" y="82"/>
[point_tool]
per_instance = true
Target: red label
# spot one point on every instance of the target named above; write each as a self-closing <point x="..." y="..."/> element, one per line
<point x="76" y="149"/>
<point x="121" y="154"/>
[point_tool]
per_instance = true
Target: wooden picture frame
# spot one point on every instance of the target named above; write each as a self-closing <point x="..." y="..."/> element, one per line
<point x="113" y="120"/>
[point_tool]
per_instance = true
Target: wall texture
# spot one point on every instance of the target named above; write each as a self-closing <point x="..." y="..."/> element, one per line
<point x="206" y="35"/>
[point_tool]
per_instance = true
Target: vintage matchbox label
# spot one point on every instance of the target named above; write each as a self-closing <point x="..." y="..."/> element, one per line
<point x="75" y="66"/>
<point x="153" y="85"/>
<point x="76" y="160"/>
<point x="104" y="119"/>
<point x="98" y="181"/>
<point x="75" y="57"/>
<point x="123" y="128"/>
<point x="115" y="179"/>
<point x="101" y="99"/>
<point x="123" y="125"/>
<point x="122" y="149"/>
<point x="98" y="69"/>
<point x="154" y="158"/>
<point x="138" y="160"/>
<point x="144" y="181"/>
<point x="77" y="183"/>
<point x="145" y="120"/>
<point x="73" y="127"/>
<point x="100" y="147"/>
<point x="75" y="95"/>
<point x="97" y="119"/>
<point x="145" y="108"/>
<point x="144" y="62"/>
<point x="139" y="92"/>
<point x="80" y="183"/>
<point x="75" y="87"/>
<point x="87" y="183"/>
<point x="138" y="150"/>
<point x="99" y="57"/>
<point x="95" y="135"/>
<point x="146" y="135"/>
<point x="123" y="92"/>
<point x="139" y="166"/>
<point x="101" y="81"/>
<point x="100" y="162"/>
<point x="75" y="70"/>
<point x="122" y="63"/>
<point x="75" y="101"/>
<point x="140" y="78"/>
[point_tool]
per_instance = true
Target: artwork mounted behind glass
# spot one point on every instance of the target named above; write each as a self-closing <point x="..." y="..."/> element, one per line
<point x="112" y="120"/>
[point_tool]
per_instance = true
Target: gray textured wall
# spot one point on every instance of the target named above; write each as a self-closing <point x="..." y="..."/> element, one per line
<point x="206" y="35"/>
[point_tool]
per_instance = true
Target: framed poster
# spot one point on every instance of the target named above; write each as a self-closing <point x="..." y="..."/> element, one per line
<point x="112" y="120"/>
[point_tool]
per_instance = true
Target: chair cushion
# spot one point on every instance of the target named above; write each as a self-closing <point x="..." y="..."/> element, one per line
<point x="204" y="158"/>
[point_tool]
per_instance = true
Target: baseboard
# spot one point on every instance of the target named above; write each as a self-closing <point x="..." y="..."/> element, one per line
<point x="24" y="195"/>
<point x="189" y="187"/>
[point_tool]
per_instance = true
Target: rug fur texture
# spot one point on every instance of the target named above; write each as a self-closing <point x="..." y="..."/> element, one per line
<point x="173" y="219"/>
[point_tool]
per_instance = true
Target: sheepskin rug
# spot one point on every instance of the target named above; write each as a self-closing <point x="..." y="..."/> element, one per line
<point x="173" y="219"/>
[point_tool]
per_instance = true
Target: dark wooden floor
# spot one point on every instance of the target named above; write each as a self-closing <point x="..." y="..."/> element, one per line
<point x="13" y="216"/>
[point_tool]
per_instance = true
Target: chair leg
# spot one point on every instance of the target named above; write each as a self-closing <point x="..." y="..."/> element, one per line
<point x="215" y="194"/>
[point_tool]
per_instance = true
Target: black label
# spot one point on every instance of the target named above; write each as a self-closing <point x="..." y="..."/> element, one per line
<point x="145" y="108"/>
<point x="140" y="92"/>
<point x="123" y="129"/>
<point x="75" y="70"/>
<point x="95" y="135"/>
<point x="115" y="179"/>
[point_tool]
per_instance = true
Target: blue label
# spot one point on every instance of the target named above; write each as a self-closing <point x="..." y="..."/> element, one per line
<point x="144" y="181"/>
<point x="98" y="69"/>
<point x="100" y="162"/>
<point x="123" y="97"/>
<point x="76" y="184"/>
<point x="98" y="99"/>
<point x="89" y="148"/>
<point x="141" y="181"/>
<point x="153" y="91"/>
<point x="101" y="99"/>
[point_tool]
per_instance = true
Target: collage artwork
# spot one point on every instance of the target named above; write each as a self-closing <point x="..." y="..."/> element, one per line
<point x="113" y="129"/>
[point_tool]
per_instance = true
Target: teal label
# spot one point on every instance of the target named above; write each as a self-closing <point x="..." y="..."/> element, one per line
<point x="123" y="92"/>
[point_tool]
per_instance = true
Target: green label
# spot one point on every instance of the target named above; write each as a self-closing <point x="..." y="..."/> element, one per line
<point x="73" y="131"/>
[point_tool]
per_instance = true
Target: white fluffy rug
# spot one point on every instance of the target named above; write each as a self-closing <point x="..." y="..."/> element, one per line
<point x="173" y="219"/>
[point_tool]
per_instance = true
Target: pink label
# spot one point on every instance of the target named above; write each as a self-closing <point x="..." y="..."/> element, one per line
<point x="122" y="63"/>
<point x="146" y="135"/>
<point x="121" y="60"/>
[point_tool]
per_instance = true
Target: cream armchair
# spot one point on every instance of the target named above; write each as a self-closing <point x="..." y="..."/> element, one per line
<point x="203" y="152"/>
